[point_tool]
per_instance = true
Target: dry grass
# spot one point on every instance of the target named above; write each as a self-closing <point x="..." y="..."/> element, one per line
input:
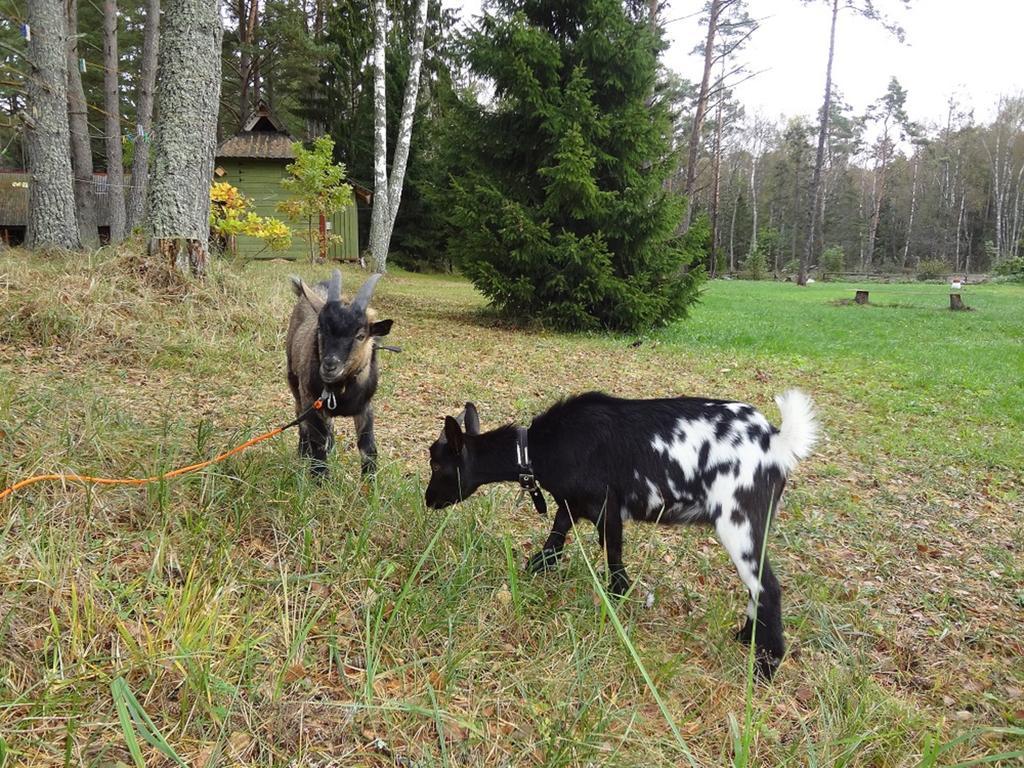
<point x="260" y="620"/>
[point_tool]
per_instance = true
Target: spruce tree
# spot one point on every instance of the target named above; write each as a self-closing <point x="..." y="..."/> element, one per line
<point x="560" y="199"/>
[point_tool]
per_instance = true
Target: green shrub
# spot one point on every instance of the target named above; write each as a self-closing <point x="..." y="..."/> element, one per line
<point x="932" y="269"/>
<point x="832" y="260"/>
<point x="756" y="265"/>
<point x="1012" y="268"/>
<point x="791" y="266"/>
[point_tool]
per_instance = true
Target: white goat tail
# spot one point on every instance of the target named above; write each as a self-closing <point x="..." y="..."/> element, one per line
<point x="799" y="429"/>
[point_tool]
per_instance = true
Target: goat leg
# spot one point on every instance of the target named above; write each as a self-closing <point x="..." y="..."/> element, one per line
<point x="365" y="440"/>
<point x="316" y="438"/>
<point x="611" y="524"/>
<point x="551" y="553"/>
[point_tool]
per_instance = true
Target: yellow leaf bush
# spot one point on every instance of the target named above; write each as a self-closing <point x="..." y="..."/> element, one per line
<point x="230" y="215"/>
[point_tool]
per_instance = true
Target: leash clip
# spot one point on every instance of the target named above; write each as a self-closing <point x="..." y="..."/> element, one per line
<point x="330" y="400"/>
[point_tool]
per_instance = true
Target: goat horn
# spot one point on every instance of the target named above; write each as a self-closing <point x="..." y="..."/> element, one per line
<point x="334" y="287"/>
<point x="362" y="299"/>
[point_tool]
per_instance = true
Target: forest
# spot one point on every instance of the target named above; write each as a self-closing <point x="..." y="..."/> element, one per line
<point x="889" y="193"/>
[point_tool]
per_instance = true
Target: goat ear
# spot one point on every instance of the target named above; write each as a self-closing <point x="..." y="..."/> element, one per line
<point x="316" y="301"/>
<point x="453" y="433"/>
<point x="381" y="328"/>
<point x="472" y="420"/>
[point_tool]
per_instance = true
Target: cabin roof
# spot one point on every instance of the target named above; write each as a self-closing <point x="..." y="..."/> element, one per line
<point x="263" y="136"/>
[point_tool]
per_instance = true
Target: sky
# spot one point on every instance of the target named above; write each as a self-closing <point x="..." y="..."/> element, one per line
<point x="968" y="48"/>
<point x="965" y="47"/>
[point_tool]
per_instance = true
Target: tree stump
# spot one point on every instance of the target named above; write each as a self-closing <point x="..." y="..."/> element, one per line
<point x="956" y="303"/>
<point x="861" y="297"/>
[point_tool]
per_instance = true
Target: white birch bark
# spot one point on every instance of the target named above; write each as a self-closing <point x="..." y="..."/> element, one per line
<point x="381" y="209"/>
<point x="51" y="199"/>
<point x="959" y="226"/>
<point x="910" y="219"/>
<point x="388" y="192"/>
<point x="402" y="145"/>
<point x="753" y="201"/>
<point x="1015" y="229"/>
<point x="187" y="102"/>
<point x="112" y="107"/>
<point x="136" y="198"/>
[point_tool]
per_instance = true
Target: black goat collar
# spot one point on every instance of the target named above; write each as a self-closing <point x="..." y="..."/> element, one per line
<point x="524" y="469"/>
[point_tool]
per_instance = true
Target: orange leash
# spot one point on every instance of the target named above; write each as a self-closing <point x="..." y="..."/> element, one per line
<point x="166" y="475"/>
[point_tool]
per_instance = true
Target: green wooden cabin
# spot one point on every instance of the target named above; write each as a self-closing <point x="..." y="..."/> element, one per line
<point x="254" y="161"/>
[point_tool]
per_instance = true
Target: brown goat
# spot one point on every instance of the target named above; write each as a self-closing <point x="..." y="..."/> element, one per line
<point x="332" y="354"/>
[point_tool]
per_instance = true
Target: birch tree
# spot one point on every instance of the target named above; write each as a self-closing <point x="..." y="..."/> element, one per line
<point x="51" y="204"/>
<point x="387" y="194"/>
<point x="866" y="9"/>
<point x="112" y="121"/>
<point x="760" y="135"/>
<point x="1007" y="174"/>
<point x="135" y="202"/>
<point x="187" y="100"/>
<point x="81" y="148"/>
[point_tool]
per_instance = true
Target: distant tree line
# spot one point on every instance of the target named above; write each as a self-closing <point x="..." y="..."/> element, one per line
<point x="894" y="193"/>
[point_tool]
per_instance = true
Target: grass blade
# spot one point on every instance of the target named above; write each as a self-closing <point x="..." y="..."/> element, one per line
<point x="129" y="707"/>
<point x="624" y="637"/>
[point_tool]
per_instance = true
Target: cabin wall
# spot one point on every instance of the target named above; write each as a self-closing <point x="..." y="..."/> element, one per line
<point x="260" y="181"/>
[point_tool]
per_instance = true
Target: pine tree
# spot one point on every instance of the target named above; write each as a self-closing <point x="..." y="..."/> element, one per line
<point x="187" y="97"/>
<point x="562" y="207"/>
<point x="51" y="210"/>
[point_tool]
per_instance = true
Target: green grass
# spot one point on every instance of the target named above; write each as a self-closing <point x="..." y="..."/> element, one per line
<point x="245" y="616"/>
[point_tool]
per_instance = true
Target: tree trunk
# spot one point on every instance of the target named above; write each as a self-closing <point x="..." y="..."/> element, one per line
<point x="879" y="193"/>
<point x="51" y="198"/>
<point x="1015" y="230"/>
<point x="381" y="210"/>
<point x="754" y="157"/>
<point x="959" y="227"/>
<point x="136" y="202"/>
<point x="81" y="149"/>
<point x="187" y="101"/>
<point x="248" y="91"/>
<point x="910" y="219"/>
<point x="819" y="159"/>
<point x="716" y="186"/>
<point x="956" y="302"/>
<point x="385" y="207"/>
<point x="698" y="113"/>
<point x="112" y="106"/>
<point x="732" y="221"/>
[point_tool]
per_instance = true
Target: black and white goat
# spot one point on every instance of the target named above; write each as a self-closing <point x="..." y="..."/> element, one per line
<point x="332" y="354"/>
<point x="669" y="461"/>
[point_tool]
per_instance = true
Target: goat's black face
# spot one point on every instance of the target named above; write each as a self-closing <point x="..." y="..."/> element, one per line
<point x="451" y="461"/>
<point x="345" y="339"/>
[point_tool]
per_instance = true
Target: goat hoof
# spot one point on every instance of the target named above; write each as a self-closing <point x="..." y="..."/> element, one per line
<point x="368" y="468"/>
<point x="620" y="584"/>
<point x="545" y="560"/>
<point x="744" y="634"/>
<point x="766" y="663"/>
